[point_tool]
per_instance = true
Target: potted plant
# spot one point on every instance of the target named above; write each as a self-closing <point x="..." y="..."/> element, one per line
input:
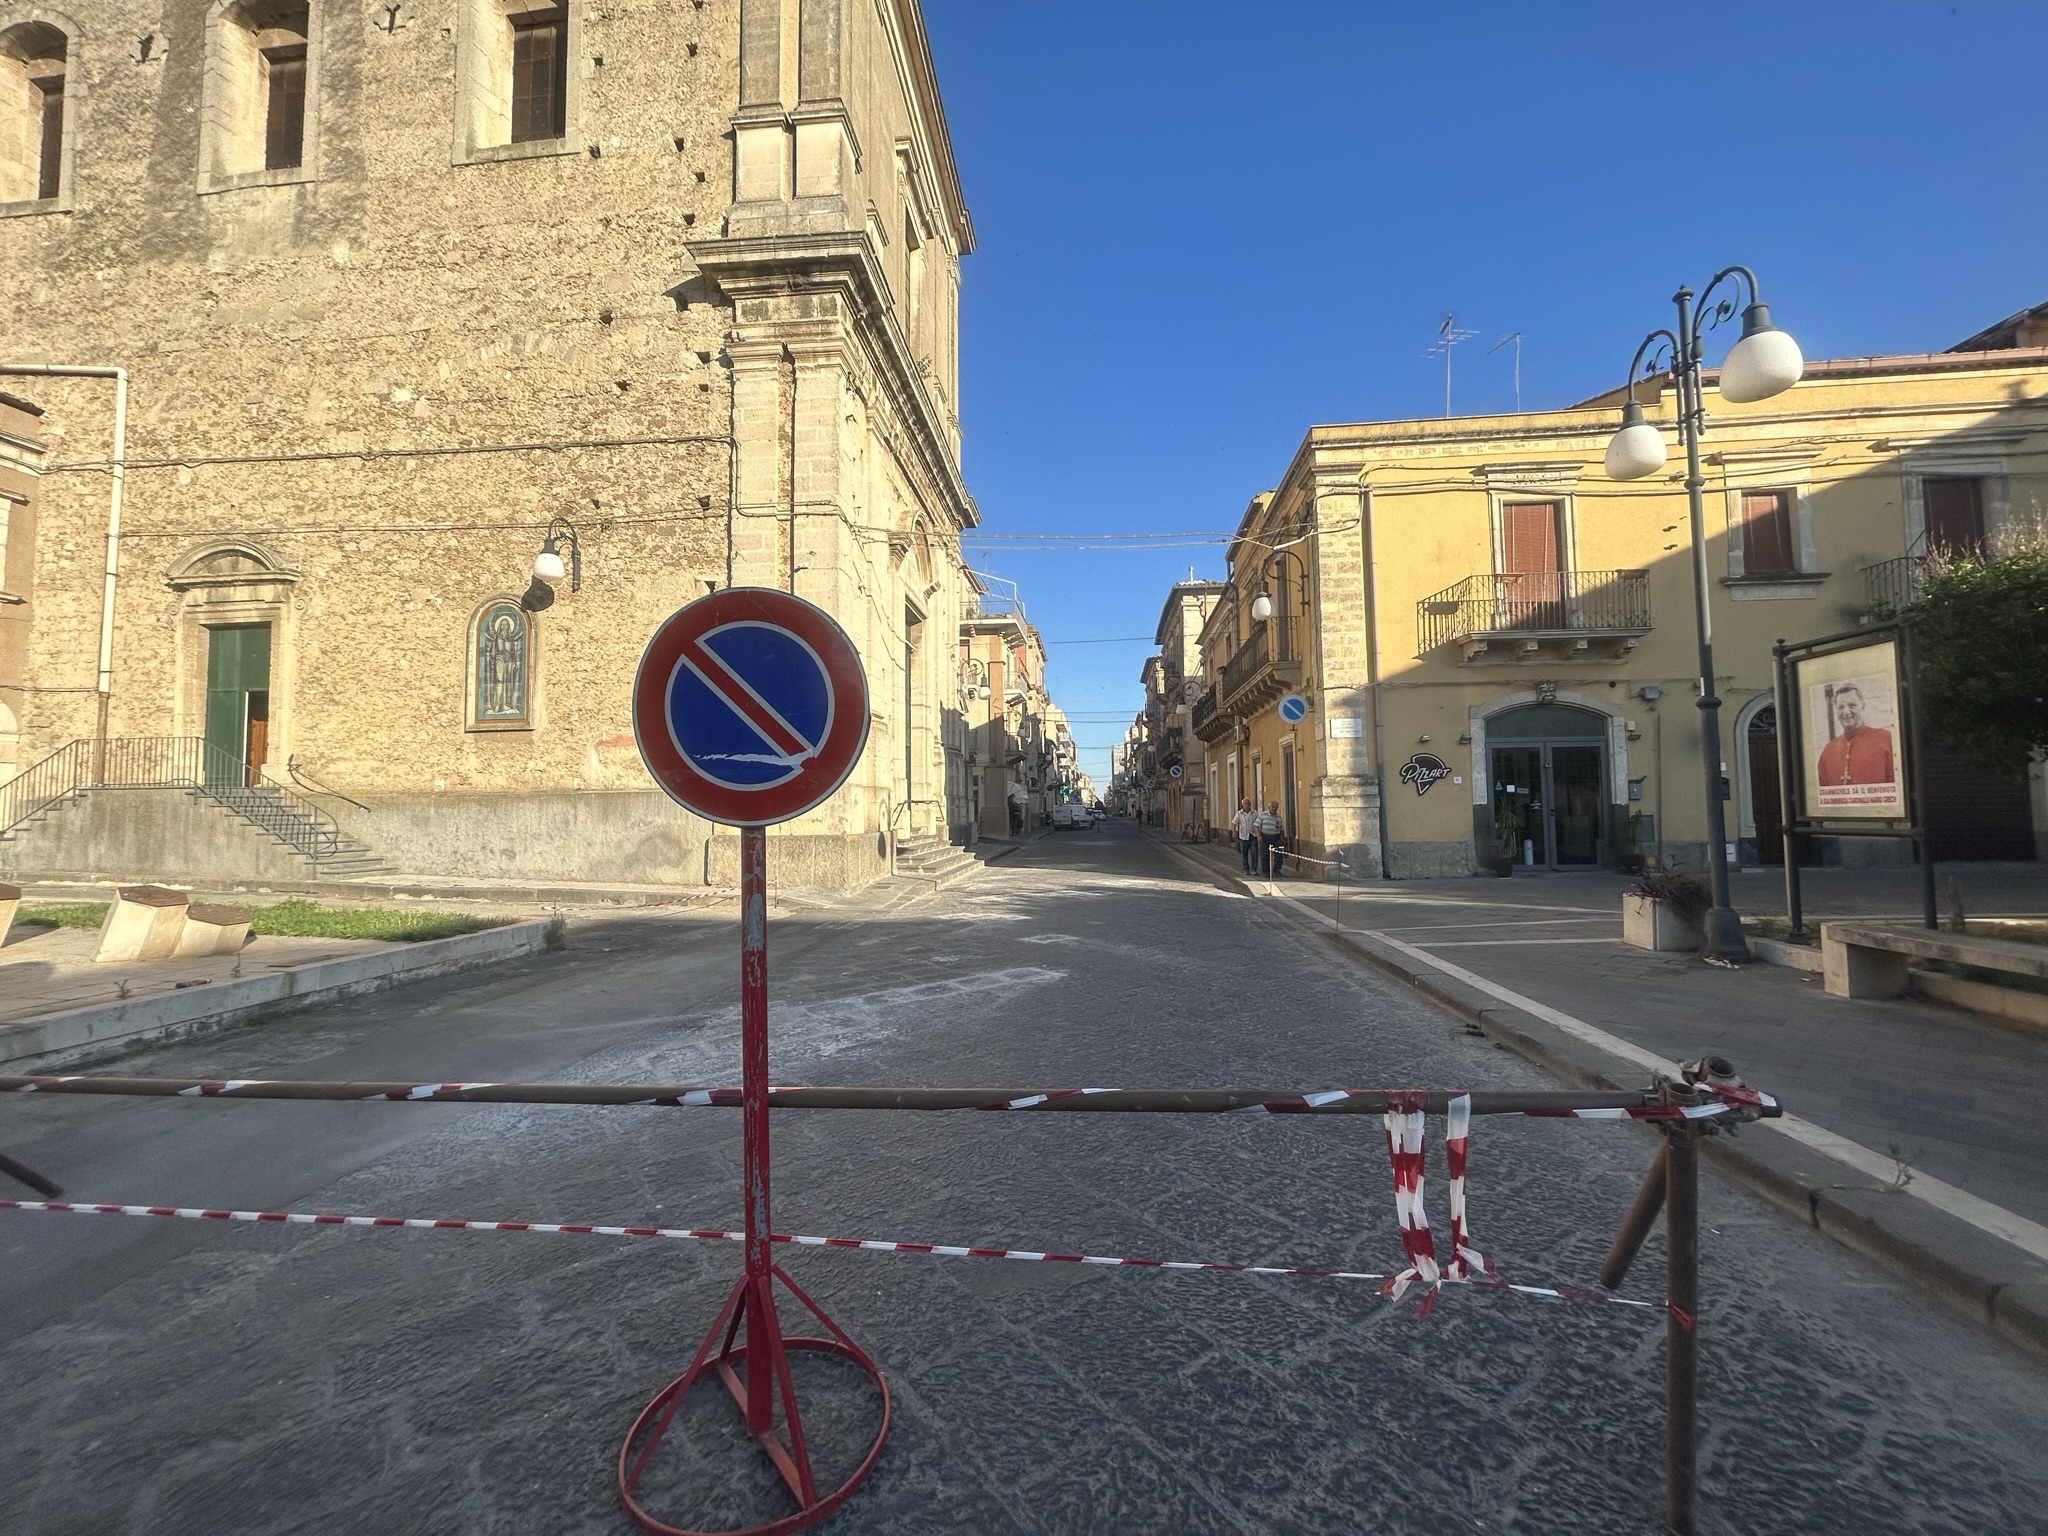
<point x="1663" y="910"/>
<point x="1632" y="860"/>
<point x="1507" y="831"/>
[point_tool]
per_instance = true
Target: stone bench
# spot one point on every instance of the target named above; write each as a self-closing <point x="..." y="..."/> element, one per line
<point x="211" y="930"/>
<point x="1873" y="959"/>
<point x="10" y="903"/>
<point x="143" y="922"/>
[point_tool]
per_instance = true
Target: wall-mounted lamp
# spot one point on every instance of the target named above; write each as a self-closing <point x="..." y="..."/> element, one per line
<point x="1423" y="739"/>
<point x="1650" y="692"/>
<point x="974" y="678"/>
<point x="549" y="566"/>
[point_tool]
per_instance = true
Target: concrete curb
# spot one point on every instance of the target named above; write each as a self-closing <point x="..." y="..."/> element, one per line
<point x="95" y="887"/>
<point x="81" y="1035"/>
<point x="1992" y="1283"/>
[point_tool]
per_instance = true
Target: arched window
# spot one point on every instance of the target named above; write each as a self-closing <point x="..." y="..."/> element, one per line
<point x="257" y="124"/>
<point x="36" y="115"/>
<point x="500" y="667"/>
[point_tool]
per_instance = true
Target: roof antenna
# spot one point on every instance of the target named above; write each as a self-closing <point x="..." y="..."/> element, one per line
<point x="1449" y="334"/>
<point x="1516" y="338"/>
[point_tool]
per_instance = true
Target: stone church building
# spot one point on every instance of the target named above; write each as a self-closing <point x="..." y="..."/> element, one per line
<point x="388" y="372"/>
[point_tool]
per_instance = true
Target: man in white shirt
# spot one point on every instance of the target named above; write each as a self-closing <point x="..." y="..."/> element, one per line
<point x="1270" y="830"/>
<point x="1244" y="827"/>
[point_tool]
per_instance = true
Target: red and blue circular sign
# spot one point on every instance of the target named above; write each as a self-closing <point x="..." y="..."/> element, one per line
<point x="750" y="706"/>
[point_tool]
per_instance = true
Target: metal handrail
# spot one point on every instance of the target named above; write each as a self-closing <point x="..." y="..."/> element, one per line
<point x="1567" y="601"/>
<point x="190" y="763"/>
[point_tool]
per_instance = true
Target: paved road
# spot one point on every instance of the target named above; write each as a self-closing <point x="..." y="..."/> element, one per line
<point x="183" y="1378"/>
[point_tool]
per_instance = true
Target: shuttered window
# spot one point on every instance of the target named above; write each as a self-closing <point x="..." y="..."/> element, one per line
<point x="1767" y="548"/>
<point x="540" y="83"/>
<point x="1955" y="515"/>
<point x="1529" y="541"/>
<point x="50" y="157"/>
<point x="284" y="117"/>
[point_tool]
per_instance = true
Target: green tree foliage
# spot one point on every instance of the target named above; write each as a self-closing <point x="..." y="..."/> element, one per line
<point x="1984" y="655"/>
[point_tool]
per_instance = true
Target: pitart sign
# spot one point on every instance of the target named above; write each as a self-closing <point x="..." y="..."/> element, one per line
<point x="1423" y="770"/>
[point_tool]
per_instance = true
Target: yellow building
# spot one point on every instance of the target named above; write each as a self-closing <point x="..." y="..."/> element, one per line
<point x="1495" y="644"/>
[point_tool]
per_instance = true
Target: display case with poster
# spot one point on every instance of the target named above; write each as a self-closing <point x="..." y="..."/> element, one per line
<point x="1850" y="751"/>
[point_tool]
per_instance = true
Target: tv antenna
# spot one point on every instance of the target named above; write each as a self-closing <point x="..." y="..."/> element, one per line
<point x="1516" y="338"/>
<point x="1449" y="334"/>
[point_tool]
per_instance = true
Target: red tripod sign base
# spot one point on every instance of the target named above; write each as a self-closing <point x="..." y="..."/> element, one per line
<point x="745" y="1348"/>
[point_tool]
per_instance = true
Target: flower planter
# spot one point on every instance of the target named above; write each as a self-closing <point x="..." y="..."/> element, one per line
<point x="1648" y="923"/>
<point x="1502" y="864"/>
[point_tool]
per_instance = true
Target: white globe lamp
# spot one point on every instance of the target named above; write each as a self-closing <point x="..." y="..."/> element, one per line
<point x="1637" y="449"/>
<point x="1765" y="362"/>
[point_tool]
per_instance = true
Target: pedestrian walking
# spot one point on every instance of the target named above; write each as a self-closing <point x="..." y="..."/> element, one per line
<point x="1244" y="827"/>
<point x="1272" y="839"/>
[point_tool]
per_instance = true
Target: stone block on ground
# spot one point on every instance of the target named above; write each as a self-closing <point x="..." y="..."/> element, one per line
<point x="143" y="922"/>
<point x="211" y="930"/>
<point x="10" y="903"/>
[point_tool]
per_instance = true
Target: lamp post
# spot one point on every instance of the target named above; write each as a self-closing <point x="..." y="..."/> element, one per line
<point x="1763" y="363"/>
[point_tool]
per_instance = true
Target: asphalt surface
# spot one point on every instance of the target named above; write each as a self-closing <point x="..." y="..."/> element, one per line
<point x="187" y="1377"/>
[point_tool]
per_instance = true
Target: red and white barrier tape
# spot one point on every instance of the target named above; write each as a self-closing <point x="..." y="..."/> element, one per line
<point x="712" y="1235"/>
<point x="1466" y="1265"/>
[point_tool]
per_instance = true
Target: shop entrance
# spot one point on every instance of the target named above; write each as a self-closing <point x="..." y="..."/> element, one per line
<point x="1549" y="766"/>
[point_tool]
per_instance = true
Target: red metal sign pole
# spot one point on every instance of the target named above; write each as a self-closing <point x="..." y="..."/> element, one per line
<point x="745" y="1349"/>
<point x="763" y="1336"/>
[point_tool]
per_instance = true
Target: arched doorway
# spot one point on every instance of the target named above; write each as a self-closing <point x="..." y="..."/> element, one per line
<point x="1548" y="769"/>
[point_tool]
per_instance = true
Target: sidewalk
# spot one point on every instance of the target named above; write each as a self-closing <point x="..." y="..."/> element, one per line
<point x="1912" y="1130"/>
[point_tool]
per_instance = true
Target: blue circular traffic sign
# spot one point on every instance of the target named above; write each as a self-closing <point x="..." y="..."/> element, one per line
<point x="750" y="706"/>
<point x="1294" y="709"/>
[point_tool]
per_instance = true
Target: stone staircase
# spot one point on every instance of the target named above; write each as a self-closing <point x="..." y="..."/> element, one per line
<point x="928" y="856"/>
<point x="293" y="820"/>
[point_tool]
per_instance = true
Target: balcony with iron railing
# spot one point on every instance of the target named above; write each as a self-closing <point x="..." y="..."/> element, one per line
<point x="1537" y="615"/>
<point x="1173" y="747"/>
<point x="1207" y="720"/>
<point x="1892" y="586"/>
<point x="1266" y="666"/>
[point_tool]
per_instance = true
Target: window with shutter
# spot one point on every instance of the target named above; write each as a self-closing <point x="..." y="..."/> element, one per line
<point x="1531" y="564"/>
<point x="539" y="77"/>
<point x="284" y="120"/>
<point x="1767" y="548"/>
<point x="50" y="157"/>
<point x="1955" y="515"/>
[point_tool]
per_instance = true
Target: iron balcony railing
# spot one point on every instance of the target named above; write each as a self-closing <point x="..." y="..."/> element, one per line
<point x="1534" y="602"/>
<point x="171" y="762"/>
<point x="1892" y="586"/>
<point x="1204" y="710"/>
<point x="1246" y="662"/>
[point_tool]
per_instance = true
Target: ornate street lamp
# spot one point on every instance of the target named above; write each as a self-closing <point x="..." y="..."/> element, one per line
<point x="548" y="565"/>
<point x="1262" y="605"/>
<point x="973" y="678"/>
<point x="1765" y="362"/>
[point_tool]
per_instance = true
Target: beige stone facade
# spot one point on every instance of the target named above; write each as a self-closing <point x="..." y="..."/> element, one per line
<point x="711" y="322"/>
<point x="21" y="449"/>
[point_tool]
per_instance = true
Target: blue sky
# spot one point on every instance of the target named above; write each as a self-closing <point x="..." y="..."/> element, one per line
<point x="1204" y="227"/>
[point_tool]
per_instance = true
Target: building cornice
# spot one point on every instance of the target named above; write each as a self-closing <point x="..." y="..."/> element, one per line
<point x="777" y="266"/>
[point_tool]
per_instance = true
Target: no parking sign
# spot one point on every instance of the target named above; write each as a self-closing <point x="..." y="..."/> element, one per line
<point x="750" y="706"/>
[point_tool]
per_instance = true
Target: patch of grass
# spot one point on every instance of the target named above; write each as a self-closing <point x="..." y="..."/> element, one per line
<point x="300" y="919"/>
<point x="81" y="914"/>
<point x="307" y="920"/>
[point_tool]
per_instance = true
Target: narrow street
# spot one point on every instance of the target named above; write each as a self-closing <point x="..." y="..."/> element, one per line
<point x="185" y="1376"/>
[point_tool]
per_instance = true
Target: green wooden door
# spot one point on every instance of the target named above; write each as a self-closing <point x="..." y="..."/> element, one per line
<point x="237" y="666"/>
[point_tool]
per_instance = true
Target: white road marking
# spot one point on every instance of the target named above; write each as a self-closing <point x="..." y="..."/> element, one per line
<point x="1497" y="943"/>
<point x="2007" y="1226"/>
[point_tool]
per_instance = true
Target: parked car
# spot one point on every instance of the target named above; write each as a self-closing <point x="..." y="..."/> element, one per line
<point x="1070" y="816"/>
